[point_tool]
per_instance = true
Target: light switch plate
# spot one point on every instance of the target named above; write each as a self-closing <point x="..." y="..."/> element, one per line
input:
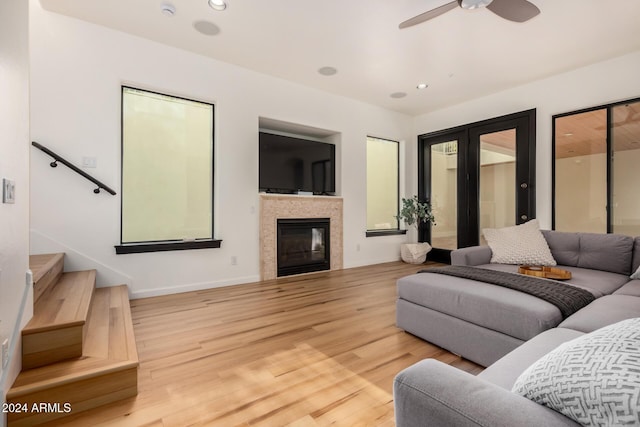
<point x="8" y="191"/>
<point x="89" y="162"/>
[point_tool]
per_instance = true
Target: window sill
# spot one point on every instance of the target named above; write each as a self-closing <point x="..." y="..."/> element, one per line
<point x="137" y="248"/>
<point x="376" y="233"/>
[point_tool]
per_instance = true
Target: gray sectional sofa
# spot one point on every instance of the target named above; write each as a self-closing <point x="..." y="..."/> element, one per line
<point x="505" y="330"/>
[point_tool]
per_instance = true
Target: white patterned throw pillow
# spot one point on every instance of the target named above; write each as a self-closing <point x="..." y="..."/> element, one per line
<point x="593" y="379"/>
<point x="636" y="274"/>
<point x="520" y="244"/>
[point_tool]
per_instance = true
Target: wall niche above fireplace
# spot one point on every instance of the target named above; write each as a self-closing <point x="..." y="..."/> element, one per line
<point x="297" y="158"/>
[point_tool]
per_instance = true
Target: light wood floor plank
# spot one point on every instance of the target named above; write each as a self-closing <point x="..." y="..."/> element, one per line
<point x="313" y="350"/>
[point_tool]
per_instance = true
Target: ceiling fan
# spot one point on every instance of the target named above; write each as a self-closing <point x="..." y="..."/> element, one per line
<point x="512" y="10"/>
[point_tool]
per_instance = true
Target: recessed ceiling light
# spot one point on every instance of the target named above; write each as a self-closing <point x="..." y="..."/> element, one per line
<point x="207" y="28"/>
<point x="168" y="9"/>
<point x="217" y="4"/>
<point x="398" y="95"/>
<point x="568" y="134"/>
<point x="422" y="86"/>
<point x="327" y="71"/>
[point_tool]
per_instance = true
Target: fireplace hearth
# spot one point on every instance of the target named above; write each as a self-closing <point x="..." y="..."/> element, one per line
<point x="303" y="245"/>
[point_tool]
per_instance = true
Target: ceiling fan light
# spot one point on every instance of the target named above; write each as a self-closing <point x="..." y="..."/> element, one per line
<point x="217" y="4"/>
<point x="474" y="4"/>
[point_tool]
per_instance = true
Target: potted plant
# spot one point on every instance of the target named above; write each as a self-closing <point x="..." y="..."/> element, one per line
<point x="414" y="213"/>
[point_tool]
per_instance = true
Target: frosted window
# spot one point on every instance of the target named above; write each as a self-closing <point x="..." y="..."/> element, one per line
<point x="167" y="168"/>
<point x="382" y="184"/>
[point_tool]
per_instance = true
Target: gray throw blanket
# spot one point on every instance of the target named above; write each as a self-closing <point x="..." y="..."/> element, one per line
<point x="567" y="298"/>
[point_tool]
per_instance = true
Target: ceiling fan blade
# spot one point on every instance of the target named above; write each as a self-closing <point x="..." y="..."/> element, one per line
<point x="514" y="10"/>
<point x="429" y="15"/>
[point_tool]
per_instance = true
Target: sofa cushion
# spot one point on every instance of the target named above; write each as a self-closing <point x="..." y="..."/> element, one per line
<point x="520" y="244"/>
<point x="631" y="288"/>
<point x="501" y="309"/>
<point x="635" y="263"/>
<point x="599" y="283"/>
<point x="607" y="252"/>
<point x="593" y="379"/>
<point x="603" y="312"/>
<point x="507" y="369"/>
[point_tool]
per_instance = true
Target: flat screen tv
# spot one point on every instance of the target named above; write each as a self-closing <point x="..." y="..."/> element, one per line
<point x="290" y="165"/>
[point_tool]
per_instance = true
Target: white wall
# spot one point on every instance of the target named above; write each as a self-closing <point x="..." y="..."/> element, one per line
<point x="16" y="298"/>
<point x="77" y="70"/>
<point x="601" y="83"/>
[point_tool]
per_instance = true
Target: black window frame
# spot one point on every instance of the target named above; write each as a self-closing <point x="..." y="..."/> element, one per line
<point x="389" y="231"/>
<point x="609" y="172"/>
<point x="166" y="245"/>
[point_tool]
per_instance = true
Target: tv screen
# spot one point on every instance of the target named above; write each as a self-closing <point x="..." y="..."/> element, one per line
<point x="289" y="164"/>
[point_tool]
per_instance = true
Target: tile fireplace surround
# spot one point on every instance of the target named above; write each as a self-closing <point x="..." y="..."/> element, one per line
<point x="279" y="206"/>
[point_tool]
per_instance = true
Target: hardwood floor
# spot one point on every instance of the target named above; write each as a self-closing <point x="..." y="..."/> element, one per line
<point x="309" y="350"/>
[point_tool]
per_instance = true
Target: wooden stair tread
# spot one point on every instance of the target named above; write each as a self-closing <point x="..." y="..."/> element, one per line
<point x="40" y="264"/>
<point x="66" y="303"/>
<point x="109" y="347"/>
<point x="34" y="380"/>
<point x="110" y="322"/>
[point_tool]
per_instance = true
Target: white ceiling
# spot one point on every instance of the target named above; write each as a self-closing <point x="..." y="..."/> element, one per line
<point x="461" y="55"/>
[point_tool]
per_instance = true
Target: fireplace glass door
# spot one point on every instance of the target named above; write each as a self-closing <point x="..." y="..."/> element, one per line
<point x="303" y="245"/>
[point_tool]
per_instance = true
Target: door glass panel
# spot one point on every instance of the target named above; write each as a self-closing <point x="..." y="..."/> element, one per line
<point x="581" y="172"/>
<point x="444" y="186"/>
<point x="625" y="137"/>
<point x="497" y="180"/>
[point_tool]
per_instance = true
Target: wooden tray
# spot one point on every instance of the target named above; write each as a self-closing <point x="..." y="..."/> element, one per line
<point x="546" y="272"/>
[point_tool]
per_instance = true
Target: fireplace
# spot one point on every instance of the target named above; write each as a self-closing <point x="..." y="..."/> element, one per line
<point x="281" y="206"/>
<point x="303" y="245"/>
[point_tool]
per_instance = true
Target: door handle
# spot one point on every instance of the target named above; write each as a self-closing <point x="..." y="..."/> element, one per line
<point x="524" y="185"/>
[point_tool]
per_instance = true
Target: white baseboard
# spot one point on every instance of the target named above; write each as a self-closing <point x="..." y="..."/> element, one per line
<point x="192" y="287"/>
<point x="372" y="262"/>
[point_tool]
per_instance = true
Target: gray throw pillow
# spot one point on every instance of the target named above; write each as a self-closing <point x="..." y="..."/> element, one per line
<point x="635" y="275"/>
<point x="593" y="379"/>
<point x="520" y="244"/>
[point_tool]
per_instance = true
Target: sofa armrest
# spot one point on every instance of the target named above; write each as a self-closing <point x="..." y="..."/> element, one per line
<point x="474" y="255"/>
<point x="432" y="393"/>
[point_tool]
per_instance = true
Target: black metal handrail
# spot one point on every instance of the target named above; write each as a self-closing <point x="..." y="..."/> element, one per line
<point x="74" y="168"/>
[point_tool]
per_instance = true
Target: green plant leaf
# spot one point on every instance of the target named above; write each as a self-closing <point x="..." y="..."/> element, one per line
<point x="414" y="212"/>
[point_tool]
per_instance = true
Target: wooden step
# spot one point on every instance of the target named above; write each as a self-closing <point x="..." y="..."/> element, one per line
<point x="57" y="328"/>
<point x="46" y="269"/>
<point x="106" y="372"/>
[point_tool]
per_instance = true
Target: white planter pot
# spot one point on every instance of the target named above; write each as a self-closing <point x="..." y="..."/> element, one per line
<point x="414" y="253"/>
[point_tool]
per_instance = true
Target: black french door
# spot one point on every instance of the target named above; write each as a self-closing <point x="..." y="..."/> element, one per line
<point x="480" y="175"/>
